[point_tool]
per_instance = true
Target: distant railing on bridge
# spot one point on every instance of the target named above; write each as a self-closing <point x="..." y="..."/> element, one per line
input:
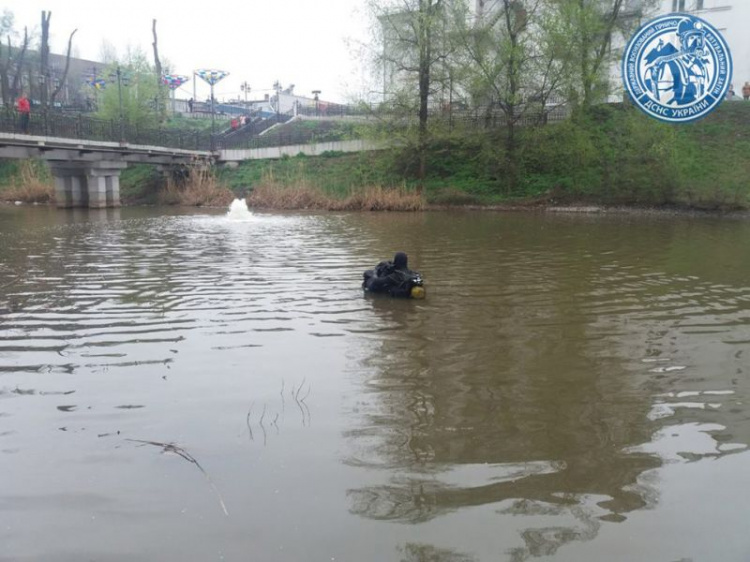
<point x="79" y="126"/>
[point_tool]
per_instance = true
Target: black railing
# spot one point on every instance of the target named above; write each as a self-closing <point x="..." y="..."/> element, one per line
<point x="79" y="126"/>
<point x="324" y="109"/>
<point x="74" y="125"/>
<point x="481" y="118"/>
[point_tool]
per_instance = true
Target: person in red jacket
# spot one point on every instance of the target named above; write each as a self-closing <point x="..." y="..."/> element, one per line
<point x="24" y="112"/>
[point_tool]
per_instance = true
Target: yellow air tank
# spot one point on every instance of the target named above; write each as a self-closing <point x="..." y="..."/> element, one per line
<point x="418" y="293"/>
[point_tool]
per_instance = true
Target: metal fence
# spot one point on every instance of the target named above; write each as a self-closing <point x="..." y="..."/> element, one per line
<point x="74" y="125"/>
<point x="480" y="118"/>
<point x="79" y="126"/>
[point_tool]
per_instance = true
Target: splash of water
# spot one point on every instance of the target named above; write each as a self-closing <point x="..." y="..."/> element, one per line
<point x="238" y="211"/>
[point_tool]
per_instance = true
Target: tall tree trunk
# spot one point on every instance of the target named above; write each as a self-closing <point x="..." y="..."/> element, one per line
<point x="513" y="27"/>
<point x="591" y="64"/>
<point x="44" y="60"/>
<point x="158" y="70"/>
<point x="18" y="64"/>
<point x="64" y="76"/>
<point x="425" y="36"/>
<point x="4" y="80"/>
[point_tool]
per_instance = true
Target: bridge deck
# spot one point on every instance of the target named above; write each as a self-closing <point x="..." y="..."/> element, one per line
<point x="14" y="145"/>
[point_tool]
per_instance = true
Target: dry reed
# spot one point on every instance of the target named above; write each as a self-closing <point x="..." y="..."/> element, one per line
<point x="274" y="195"/>
<point x="30" y="185"/>
<point x="198" y="188"/>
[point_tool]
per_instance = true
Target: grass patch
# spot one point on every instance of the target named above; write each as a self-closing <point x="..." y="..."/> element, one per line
<point x="140" y="184"/>
<point x="182" y="123"/>
<point x="276" y="195"/>
<point x="196" y="186"/>
<point x="29" y="181"/>
<point x="335" y="173"/>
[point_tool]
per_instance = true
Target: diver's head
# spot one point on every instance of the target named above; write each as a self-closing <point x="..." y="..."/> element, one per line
<point x="692" y="35"/>
<point x="400" y="260"/>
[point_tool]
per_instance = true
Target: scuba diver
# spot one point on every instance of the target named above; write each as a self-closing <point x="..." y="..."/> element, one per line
<point x="679" y="76"/>
<point x="394" y="278"/>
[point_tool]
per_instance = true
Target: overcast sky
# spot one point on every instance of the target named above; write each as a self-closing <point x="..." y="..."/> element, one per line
<point x="302" y="42"/>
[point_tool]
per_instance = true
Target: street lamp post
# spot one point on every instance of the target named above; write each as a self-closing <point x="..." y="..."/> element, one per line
<point x="212" y="77"/>
<point x="119" y="75"/>
<point x="119" y="90"/>
<point x="213" y="114"/>
<point x="245" y="87"/>
<point x="277" y="87"/>
<point x="316" y="94"/>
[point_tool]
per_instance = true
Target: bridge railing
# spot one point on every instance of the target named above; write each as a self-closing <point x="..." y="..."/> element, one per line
<point x="78" y="126"/>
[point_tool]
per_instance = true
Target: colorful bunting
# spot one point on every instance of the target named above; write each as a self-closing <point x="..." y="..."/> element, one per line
<point x="97" y="83"/>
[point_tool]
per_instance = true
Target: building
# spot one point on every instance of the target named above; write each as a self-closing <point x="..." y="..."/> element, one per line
<point x="75" y="91"/>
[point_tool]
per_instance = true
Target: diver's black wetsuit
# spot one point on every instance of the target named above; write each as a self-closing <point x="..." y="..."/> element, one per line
<point x="393" y="278"/>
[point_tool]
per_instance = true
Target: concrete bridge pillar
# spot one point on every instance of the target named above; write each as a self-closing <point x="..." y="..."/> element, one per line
<point x="87" y="184"/>
<point x="103" y="179"/>
<point x="70" y="185"/>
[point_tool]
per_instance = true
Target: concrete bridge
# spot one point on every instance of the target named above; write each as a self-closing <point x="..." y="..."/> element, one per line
<point x="87" y="172"/>
<point x="86" y="155"/>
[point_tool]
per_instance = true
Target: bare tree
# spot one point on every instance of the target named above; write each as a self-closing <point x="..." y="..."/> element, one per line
<point x="107" y="52"/>
<point x="158" y="70"/>
<point x="12" y="62"/>
<point x="46" y="99"/>
<point x="508" y="71"/>
<point x="412" y="33"/>
<point x="586" y="29"/>
<point x="44" y="58"/>
<point x="64" y="77"/>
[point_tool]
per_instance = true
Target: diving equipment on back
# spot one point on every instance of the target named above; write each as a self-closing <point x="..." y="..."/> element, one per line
<point x="395" y="279"/>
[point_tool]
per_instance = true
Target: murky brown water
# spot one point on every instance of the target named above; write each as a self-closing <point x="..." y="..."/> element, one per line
<point x="574" y="388"/>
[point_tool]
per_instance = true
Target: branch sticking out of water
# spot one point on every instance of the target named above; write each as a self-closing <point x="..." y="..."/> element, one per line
<point x="247" y="421"/>
<point x="263" y="415"/>
<point x="172" y="448"/>
<point x="9" y="283"/>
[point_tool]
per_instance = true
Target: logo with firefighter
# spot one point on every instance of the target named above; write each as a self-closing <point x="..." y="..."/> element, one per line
<point x="677" y="68"/>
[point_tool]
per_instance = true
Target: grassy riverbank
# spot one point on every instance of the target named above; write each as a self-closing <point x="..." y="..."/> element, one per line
<point x="615" y="157"/>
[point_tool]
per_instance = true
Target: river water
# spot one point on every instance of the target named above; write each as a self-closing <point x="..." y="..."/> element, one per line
<point x="178" y="385"/>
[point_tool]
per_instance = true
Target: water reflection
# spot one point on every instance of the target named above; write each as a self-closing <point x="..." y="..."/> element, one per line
<point x="539" y="390"/>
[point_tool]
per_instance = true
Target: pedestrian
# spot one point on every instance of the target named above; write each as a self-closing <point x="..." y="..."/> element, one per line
<point x="190" y="105"/>
<point x="24" y="112"/>
<point x="746" y="91"/>
<point x="730" y="93"/>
